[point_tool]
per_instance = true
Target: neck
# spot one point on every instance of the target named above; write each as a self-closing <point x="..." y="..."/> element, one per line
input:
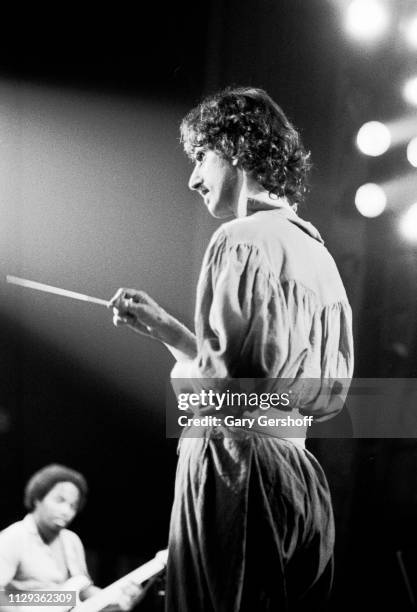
<point x="47" y="534"/>
<point x="252" y="190"/>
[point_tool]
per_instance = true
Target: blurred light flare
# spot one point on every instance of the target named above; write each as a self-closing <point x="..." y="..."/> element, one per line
<point x="370" y="200"/>
<point x="373" y="138"/>
<point x="366" y="19"/>
<point x="411" y="32"/>
<point x="401" y="191"/>
<point x="408" y="224"/>
<point x="412" y="152"/>
<point x="410" y="91"/>
<point x="402" y="129"/>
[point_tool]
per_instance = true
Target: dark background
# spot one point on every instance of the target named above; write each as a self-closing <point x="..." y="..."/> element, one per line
<point x="93" y="196"/>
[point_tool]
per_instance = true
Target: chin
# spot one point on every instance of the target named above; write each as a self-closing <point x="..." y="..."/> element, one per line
<point x="220" y="212"/>
<point x="220" y="215"/>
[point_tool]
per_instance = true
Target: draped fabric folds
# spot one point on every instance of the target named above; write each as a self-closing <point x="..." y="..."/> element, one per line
<point x="252" y="526"/>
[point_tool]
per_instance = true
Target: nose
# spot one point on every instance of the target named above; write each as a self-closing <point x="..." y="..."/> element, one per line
<point x="68" y="512"/>
<point x="195" y="179"/>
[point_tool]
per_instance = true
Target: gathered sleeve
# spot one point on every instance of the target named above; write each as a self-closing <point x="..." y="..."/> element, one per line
<point x="240" y="314"/>
<point x="258" y="323"/>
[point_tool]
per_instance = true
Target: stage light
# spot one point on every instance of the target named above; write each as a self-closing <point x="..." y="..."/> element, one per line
<point x="403" y="129"/>
<point x="366" y="19"/>
<point x="412" y="152"/>
<point x="408" y="224"/>
<point x="411" y="32"/>
<point x="401" y="190"/>
<point x="410" y="91"/>
<point x="374" y="138"/>
<point x="370" y="200"/>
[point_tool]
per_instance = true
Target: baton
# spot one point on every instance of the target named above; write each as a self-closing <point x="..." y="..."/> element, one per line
<point x="23" y="282"/>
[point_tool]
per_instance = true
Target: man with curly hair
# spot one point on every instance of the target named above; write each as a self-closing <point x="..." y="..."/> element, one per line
<point x="39" y="552"/>
<point x="252" y="525"/>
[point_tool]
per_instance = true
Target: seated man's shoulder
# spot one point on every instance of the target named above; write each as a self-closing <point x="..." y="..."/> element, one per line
<point x="12" y="533"/>
<point x="72" y="538"/>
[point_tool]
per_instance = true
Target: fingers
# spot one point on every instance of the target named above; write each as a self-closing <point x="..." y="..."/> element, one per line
<point x="124" y="299"/>
<point x="118" y="321"/>
<point x="135" y="309"/>
<point x="130" y="321"/>
<point x="120" y="298"/>
<point x="129" y="595"/>
<point x="120" y="305"/>
<point x="124" y="294"/>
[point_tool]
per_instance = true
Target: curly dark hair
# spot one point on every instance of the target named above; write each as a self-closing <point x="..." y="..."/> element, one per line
<point x="45" y="479"/>
<point x="244" y="123"/>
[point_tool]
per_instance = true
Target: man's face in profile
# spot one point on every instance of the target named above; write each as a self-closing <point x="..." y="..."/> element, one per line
<point x="218" y="182"/>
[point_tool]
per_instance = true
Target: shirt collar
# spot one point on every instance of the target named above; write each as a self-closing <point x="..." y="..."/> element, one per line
<point x="282" y="207"/>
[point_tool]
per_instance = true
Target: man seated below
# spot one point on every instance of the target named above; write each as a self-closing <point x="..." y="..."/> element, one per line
<point x="40" y="553"/>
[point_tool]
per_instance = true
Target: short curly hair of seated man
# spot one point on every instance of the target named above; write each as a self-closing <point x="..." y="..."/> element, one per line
<point x="45" y="479"/>
<point x="244" y="123"/>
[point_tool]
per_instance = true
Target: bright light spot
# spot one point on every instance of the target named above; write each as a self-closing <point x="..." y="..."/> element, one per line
<point x="366" y="19"/>
<point x="410" y="91"/>
<point x="412" y="152"/>
<point x="411" y="33"/>
<point x="408" y="223"/>
<point x="370" y="200"/>
<point x="373" y="138"/>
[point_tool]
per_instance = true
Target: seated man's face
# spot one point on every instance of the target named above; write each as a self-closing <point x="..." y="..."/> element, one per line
<point x="59" y="506"/>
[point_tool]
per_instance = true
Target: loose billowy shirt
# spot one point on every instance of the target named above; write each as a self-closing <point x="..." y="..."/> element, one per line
<point x="271" y="304"/>
<point x="26" y="561"/>
<point x="252" y="525"/>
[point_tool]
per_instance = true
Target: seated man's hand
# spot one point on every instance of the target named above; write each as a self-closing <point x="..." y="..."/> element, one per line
<point x="129" y="595"/>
